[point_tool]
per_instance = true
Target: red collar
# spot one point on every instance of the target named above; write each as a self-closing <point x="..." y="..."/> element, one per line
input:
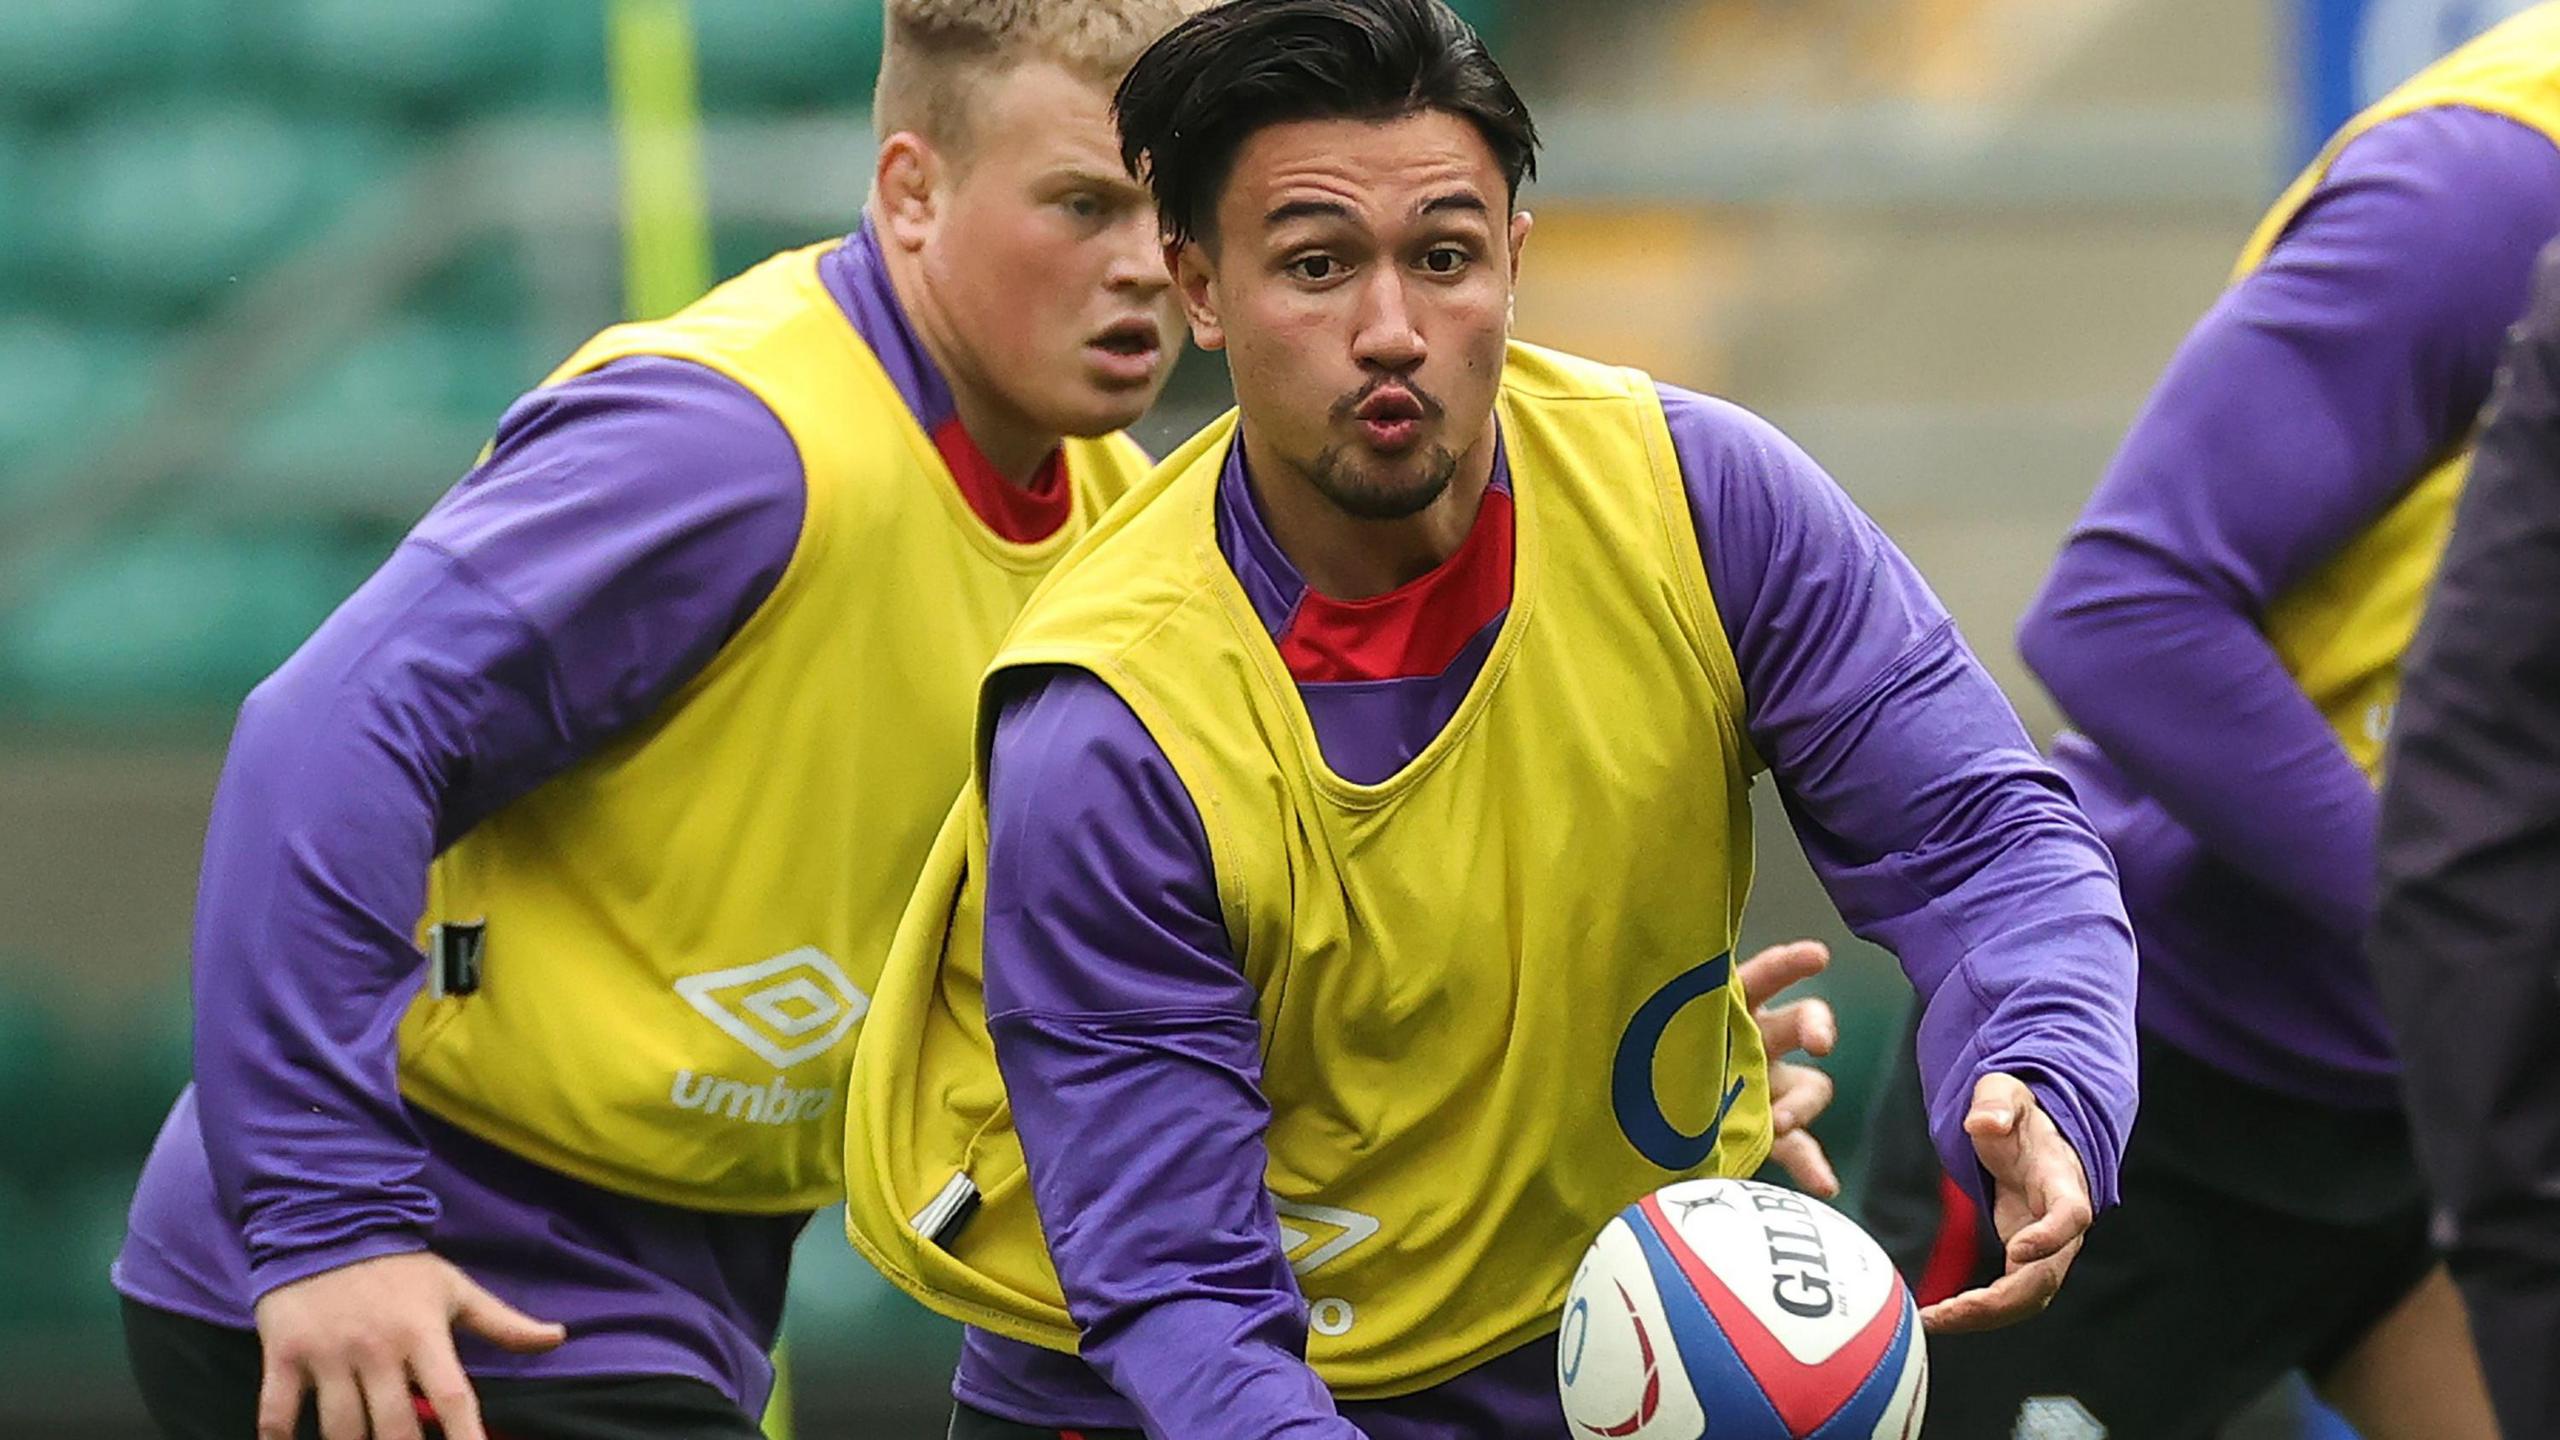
<point x="1419" y="627"/>
<point x="1019" y="513"/>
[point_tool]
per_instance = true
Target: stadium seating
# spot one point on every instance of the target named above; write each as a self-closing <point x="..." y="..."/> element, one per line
<point x="19" y="1264"/>
<point x="366" y="55"/>
<point x="157" y="210"/>
<point x="788" y="53"/>
<point x="1486" y="15"/>
<point x="32" y="1053"/>
<point x="158" y="156"/>
<point x="62" y="386"/>
<point x="17" y="222"/>
<point x="151" y="621"/>
<point x="58" y="52"/>
<point x="46" y="1168"/>
<point x="415" y="397"/>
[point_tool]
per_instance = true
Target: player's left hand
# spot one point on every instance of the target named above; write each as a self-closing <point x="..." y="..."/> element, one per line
<point x="2040" y="1207"/>
<point x="1797" y="1093"/>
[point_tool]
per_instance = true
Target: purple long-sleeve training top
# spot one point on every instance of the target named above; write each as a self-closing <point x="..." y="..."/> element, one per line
<point x="625" y="524"/>
<point x="1925" y="809"/>
<point x="2313" y="394"/>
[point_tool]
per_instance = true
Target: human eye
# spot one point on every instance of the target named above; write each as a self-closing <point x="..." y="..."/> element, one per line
<point x="1315" y="267"/>
<point x="1446" y="259"/>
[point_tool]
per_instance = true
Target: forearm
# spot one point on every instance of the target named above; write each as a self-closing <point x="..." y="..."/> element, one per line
<point x="2348" y="363"/>
<point x="1199" y="1369"/>
<point x="422" y="704"/>
<point x="1932" y="822"/>
<point x="315" y="863"/>
<point x="627" y="522"/>
<point x="1125" y="1031"/>
<point x="1973" y="866"/>
<point x="2187" y="697"/>
<point x="1143" y="1133"/>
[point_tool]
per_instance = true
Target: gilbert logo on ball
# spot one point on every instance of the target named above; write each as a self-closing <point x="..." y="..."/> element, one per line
<point x="1739" y="1311"/>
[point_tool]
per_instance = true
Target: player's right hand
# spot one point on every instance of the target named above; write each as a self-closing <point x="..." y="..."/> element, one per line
<point x="359" y="1337"/>
<point x="1798" y="1094"/>
<point x="2040" y="1207"/>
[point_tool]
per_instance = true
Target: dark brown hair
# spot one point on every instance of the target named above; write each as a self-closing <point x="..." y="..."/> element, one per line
<point x="1205" y="87"/>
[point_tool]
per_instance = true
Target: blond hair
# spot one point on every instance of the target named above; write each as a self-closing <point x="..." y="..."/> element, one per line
<point x="938" y="52"/>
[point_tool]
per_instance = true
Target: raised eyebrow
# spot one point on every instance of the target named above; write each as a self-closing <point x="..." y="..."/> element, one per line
<point x="1289" y="210"/>
<point x="1463" y="202"/>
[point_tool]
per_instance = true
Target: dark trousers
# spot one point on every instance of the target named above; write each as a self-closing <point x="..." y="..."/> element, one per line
<point x="2259" y="1234"/>
<point x="2511" y="1286"/>
<point x="200" y="1382"/>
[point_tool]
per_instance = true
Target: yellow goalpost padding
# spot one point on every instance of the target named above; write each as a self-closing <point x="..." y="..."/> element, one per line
<point x="666" y="236"/>
<point x="657" y="126"/>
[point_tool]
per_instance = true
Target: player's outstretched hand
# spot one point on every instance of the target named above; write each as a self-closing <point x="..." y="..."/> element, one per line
<point x="1797" y="1093"/>
<point x="2039" y="1207"/>
<point x="360" y="1337"/>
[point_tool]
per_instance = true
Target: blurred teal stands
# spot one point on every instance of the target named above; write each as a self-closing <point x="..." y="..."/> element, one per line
<point x="787" y="52"/>
<point x="63" y="385"/>
<point x="1486" y="15"/>
<point x="69" y="53"/>
<point x="153" y="209"/>
<point x="159" y="160"/>
<point x="147" y="619"/>
<point x="77" y="1111"/>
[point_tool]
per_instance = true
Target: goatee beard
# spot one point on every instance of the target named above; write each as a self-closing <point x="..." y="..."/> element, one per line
<point x="1339" y="479"/>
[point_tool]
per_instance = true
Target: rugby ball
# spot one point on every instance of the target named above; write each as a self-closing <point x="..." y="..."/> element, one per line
<point x="1740" y="1311"/>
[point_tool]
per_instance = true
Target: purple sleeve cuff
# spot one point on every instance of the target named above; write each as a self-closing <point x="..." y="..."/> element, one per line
<point x="1924" y="809"/>
<point x="624" y="525"/>
<point x="1126" y="1035"/>
<point x="299" y="1257"/>
<point x="2093" y="1113"/>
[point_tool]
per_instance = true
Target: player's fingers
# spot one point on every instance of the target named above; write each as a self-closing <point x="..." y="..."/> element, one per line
<point x="493" y="1319"/>
<point x="280" y="1391"/>
<point x="1802" y="1157"/>
<point x="386" y="1401"/>
<point x="2036" y="1284"/>
<point x="1798" y="1094"/>
<point x="2062" y="1224"/>
<point x="1807" y="1025"/>
<point x="2013" y="1297"/>
<point x="340" y="1401"/>
<point x="1779" y="966"/>
<point x="1994" y="1122"/>
<point x="2000" y="1104"/>
<point x="448" y="1390"/>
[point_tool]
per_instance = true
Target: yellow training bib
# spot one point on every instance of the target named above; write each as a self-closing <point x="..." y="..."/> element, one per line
<point x="1494" y="990"/>
<point x="2342" y="629"/>
<point x="683" y="930"/>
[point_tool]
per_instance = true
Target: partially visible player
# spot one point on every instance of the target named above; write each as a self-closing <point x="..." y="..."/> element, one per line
<point x="2466" y="939"/>
<point x="1341" y="928"/>
<point x="2224" y="629"/>
<point x="652" y="719"/>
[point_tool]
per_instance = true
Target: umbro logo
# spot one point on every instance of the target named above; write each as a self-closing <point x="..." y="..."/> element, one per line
<point x="1315" y="1234"/>
<point x="788" y="1009"/>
